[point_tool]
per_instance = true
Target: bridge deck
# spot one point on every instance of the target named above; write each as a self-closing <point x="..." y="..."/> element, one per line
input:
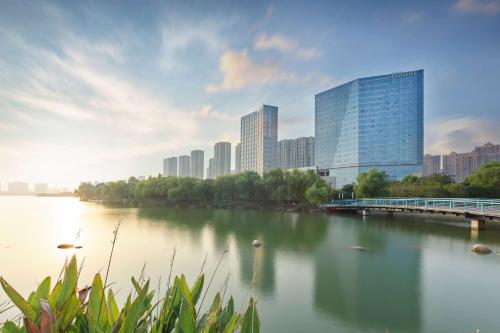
<point x="465" y="207"/>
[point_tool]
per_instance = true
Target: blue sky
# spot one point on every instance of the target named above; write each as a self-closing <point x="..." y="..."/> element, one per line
<point x="100" y="91"/>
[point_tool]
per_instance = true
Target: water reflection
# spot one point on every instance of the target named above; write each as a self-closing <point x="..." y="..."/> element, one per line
<point x="277" y="232"/>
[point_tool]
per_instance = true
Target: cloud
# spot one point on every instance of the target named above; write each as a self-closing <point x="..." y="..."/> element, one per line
<point x="239" y="70"/>
<point x="284" y="44"/>
<point x="459" y="134"/>
<point x="179" y="34"/>
<point x="489" y="7"/>
<point x="207" y="111"/>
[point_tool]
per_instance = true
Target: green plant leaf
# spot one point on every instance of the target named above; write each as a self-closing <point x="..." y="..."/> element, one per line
<point x="18" y="300"/>
<point x="112" y="307"/>
<point x="71" y="311"/>
<point x="69" y="284"/>
<point x="187" y="322"/>
<point x="55" y="294"/>
<point x="134" y="312"/>
<point x="251" y="322"/>
<point x="232" y="325"/>
<point x="197" y="289"/>
<point x="98" y="302"/>
<point x="10" y="327"/>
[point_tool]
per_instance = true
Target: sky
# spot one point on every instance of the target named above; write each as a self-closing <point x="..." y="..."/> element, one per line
<point x="95" y="91"/>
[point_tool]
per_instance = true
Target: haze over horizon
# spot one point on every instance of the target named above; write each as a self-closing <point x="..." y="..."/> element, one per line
<point x="95" y="91"/>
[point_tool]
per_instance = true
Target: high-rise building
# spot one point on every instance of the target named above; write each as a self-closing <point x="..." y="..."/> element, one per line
<point x="237" y="158"/>
<point x="41" y="188"/>
<point x="18" y="188"/>
<point x="211" y="169"/>
<point x="259" y="140"/>
<point x="222" y="159"/>
<point x="460" y="165"/>
<point x="184" y="166"/>
<point x="432" y="165"/>
<point x="296" y="153"/>
<point x="170" y="167"/>
<point x="372" y="122"/>
<point x="197" y="163"/>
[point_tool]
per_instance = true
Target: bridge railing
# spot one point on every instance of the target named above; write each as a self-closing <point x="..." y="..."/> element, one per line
<point x="452" y="204"/>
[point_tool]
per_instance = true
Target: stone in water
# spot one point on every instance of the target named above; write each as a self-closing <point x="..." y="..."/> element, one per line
<point x="256" y="243"/>
<point x="480" y="249"/>
<point x="358" y="248"/>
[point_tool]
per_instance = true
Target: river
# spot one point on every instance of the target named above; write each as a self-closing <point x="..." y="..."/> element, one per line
<point x="416" y="275"/>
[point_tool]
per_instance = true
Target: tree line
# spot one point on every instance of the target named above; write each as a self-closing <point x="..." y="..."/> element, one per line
<point x="482" y="183"/>
<point x="276" y="187"/>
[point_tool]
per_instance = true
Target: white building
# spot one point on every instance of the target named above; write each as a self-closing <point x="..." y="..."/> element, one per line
<point x="237" y="158"/>
<point x="197" y="163"/>
<point x="222" y="159"/>
<point x="184" y="166"/>
<point x="170" y="167"/>
<point x="259" y="140"/>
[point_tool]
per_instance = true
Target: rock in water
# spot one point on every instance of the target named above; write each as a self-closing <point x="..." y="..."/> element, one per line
<point x="256" y="243"/>
<point x="480" y="249"/>
<point x="65" y="246"/>
<point x="358" y="248"/>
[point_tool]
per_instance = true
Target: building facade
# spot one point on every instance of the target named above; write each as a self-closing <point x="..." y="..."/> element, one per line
<point x="197" y="163"/>
<point x="170" y="167"/>
<point x="460" y="165"/>
<point x="184" y="166"/>
<point x="372" y="122"/>
<point x="432" y="165"/>
<point x="237" y="158"/>
<point x="259" y="140"/>
<point x="18" y="188"/>
<point x="296" y="153"/>
<point x="222" y="159"/>
<point x="211" y="169"/>
<point x="41" y="188"/>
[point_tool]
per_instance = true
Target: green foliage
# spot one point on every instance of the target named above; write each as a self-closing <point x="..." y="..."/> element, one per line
<point x="373" y="183"/>
<point x="66" y="309"/>
<point x="275" y="187"/>
<point x="485" y="182"/>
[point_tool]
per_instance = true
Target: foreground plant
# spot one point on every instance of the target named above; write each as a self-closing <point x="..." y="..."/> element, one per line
<point x="64" y="308"/>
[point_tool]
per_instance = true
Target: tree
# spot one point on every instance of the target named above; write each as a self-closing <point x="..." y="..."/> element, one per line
<point x="318" y="193"/>
<point x="485" y="181"/>
<point x="373" y="183"/>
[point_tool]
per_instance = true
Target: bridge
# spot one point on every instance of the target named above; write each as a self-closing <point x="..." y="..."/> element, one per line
<point x="477" y="210"/>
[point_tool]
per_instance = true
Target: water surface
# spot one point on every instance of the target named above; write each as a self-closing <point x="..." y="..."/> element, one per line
<point x="416" y="275"/>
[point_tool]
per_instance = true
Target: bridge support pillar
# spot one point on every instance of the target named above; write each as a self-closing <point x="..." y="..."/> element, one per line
<point x="477" y="224"/>
<point x="365" y="212"/>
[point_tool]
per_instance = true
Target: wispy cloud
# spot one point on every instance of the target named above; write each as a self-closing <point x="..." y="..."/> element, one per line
<point x="284" y="44"/>
<point x="239" y="70"/>
<point x="489" y="7"/>
<point x="178" y="34"/>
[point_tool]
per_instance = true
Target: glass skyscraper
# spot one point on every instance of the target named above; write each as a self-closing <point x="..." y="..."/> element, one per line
<point x="372" y="122"/>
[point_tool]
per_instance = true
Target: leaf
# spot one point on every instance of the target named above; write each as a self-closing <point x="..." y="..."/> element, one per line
<point x="10" y="327"/>
<point x="47" y="316"/>
<point x="187" y="313"/>
<point x="55" y="294"/>
<point x="232" y="324"/>
<point x="197" y="289"/>
<point x="134" y="312"/>
<point x="113" y="311"/>
<point x="69" y="283"/>
<point x="71" y="311"/>
<point x="227" y="313"/>
<point x="251" y="322"/>
<point x="42" y="292"/>
<point x="97" y="303"/>
<point x="18" y="300"/>
<point x="30" y="326"/>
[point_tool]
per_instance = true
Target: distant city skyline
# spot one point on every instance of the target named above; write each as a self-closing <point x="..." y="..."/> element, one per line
<point x="100" y="91"/>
